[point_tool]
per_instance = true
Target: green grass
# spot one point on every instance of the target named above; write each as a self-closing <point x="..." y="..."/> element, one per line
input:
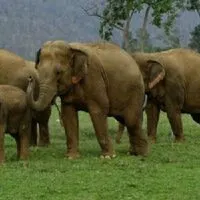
<point x="171" y="171"/>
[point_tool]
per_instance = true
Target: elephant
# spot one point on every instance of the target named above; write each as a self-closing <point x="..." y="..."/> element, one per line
<point x="120" y="132"/>
<point x="121" y="127"/>
<point x="15" y="118"/>
<point x="99" y="78"/>
<point x="15" y="71"/>
<point x="172" y="83"/>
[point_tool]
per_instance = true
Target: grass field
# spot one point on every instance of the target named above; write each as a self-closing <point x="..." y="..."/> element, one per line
<point x="171" y="171"/>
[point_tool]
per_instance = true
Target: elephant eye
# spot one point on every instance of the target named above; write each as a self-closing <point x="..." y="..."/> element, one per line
<point x="58" y="69"/>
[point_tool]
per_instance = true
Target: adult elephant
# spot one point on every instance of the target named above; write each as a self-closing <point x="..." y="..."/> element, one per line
<point x="15" y="71"/>
<point x="99" y="78"/>
<point x="172" y="82"/>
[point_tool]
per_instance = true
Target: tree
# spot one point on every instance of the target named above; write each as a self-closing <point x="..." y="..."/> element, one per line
<point x="142" y="37"/>
<point x="118" y="14"/>
<point x="193" y="5"/>
<point x="172" y="40"/>
<point x="143" y="30"/>
<point x="195" y="39"/>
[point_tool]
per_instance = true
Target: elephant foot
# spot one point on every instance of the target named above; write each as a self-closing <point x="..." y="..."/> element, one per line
<point x="117" y="140"/>
<point x="43" y="143"/>
<point x="140" y="148"/>
<point x="2" y="160"/>
<point x="32" y="143"/>
<point x="108" y="152"/>
<point x="72" y="155"/>
<point x="109" y="157"/>
<point x="23" y="155"/>
<point x="179" y="139"/>
<point x="152" y="140"/>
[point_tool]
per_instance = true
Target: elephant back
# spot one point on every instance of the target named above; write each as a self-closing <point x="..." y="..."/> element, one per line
<point x="10" y="64"/>
<point x="15" y="71"/>
<point x="9" y="59"/>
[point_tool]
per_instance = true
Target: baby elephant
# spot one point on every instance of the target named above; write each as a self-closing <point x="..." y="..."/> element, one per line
<point x="15" y="118"/>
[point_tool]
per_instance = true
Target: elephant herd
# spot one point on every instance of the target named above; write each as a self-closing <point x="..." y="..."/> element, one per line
<point x="103" y="80"/>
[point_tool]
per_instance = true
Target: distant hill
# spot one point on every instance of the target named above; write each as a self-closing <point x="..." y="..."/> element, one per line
<point x="26" y="24"/>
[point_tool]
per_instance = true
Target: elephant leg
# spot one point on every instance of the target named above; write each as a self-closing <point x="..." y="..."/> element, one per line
<point x="2" y="155"/>
<point x="99" y="120"/>
<point x="137" y="139"/>
<point x="44" y="139"/>
<point x="23" y="146"/>
<point x="33" y="134"/>
<point x="24" y="132"/>
<point x="121" y="128"/>
<point x="174" y="116"/>
<point x="196" y="118"/>
<point x="71" y="126"/>
<point x="152" y="112"/>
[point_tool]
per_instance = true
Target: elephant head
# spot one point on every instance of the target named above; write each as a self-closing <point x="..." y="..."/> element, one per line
<point x="60" y="66"/>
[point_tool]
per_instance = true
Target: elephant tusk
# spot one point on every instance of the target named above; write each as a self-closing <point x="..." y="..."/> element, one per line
<point x="145" y="101"/>
<point x="59" y="113"/>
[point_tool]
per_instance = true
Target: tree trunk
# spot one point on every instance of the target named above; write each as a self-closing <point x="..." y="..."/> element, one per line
<point x="198" y="12"/>
<point x="144" y="27"/>
<point x="125" y="41"/>
<point x="126" y="35"/>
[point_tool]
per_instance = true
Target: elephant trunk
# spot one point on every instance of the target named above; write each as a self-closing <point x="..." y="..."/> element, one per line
<point x="45" y="97"/>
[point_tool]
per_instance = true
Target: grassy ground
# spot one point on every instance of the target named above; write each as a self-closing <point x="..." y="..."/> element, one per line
<point x="171" y="171"/>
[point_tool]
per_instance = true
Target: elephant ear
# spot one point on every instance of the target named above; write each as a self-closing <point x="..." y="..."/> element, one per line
<point x="78" y="63"/>
<point x="156" y="73"/>
<point x="37" y="58"/>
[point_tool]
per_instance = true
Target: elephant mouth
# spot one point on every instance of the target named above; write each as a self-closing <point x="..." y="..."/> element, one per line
<point x="53" y="100"/>
<point x="65" y="92"/>
<point x="61" y="93"/>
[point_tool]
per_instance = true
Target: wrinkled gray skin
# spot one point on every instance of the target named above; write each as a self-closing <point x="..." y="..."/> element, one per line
<point x="121" y="127"/>
<point x="99" y="78"/>
<point x="15" y="119"/>
<point x="15" y="71"/>
<point x="172" y="82"/>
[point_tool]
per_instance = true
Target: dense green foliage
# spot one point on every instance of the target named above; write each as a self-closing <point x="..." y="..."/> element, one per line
<point x="116" y="13"/>
<point x="194" y="5"/>
<point x="25" y="25"/>
<point x="171" y="171"/>
<point x="195" y="39"/>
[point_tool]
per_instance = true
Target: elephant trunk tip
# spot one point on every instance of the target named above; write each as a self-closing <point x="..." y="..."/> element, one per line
<point x="45" y="96"/>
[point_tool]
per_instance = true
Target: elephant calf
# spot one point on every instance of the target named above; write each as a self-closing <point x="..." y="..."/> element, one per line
<point x="15" y="118"/>
<point x="23" y="69"/>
